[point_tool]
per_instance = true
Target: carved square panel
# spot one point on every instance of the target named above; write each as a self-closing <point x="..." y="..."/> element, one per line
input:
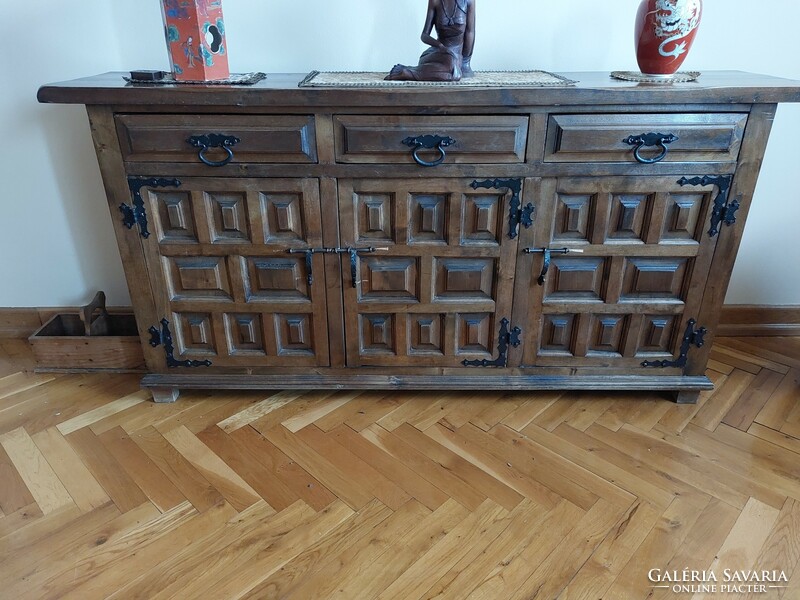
<point x="245" y="334"/>
<point x="573" y="217"/>
<point x="481" y="221"/>
<point x="607" y="334"/>
<point x="575" y="279"/>
<point x="630" y="214"/>
<point x="174" y="216"/>
<point x="194" y="334"/>
<point x="682" y="220"/>
<point x="376" y="334"/>
<point x="294" y="335"/>
<point x="227" y="217"/>
<point x="654" y="279"/>
<point x="388" y="278"/>
<point x="282" y="217"/>
<point x="275" y="278"/>
<point x="657" y="336"/>
<point x="425" y="334"/>
<point x="557" y="335"/>
<point x="427" y="219"/>
<point x="473" y="333"/>
<point x="374" y="218"/>
<point x="464" y="278"/>
<point x="197" y="278"/>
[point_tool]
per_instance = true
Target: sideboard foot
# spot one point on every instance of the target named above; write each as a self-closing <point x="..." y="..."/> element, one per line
<point x="687" y="396"/>
<point x="165" y="395"/>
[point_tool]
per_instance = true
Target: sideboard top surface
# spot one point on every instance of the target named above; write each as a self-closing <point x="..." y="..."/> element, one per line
<point x="281" y="90"/>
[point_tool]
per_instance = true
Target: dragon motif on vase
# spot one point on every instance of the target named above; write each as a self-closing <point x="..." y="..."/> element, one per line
<point x="674" y="20"/>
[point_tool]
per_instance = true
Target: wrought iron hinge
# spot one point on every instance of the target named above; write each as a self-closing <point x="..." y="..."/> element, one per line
<point x="163" y="336"/>
<point x="691" y="337"/>
<point x="136" y="214"/>
<point x="723" y="212"/>
<point x="505" y="339"/>
<point x="516" y="215"/>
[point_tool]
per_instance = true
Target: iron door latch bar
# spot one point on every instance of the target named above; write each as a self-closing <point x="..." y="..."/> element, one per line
<point x="310" y="252"/>
<point x="136" y="214"/>
<point x="505" y="339"/>
<point x="516" y="216"/>
<point x="723" y="212"/>
<point x="691" y="337"/>
<point x="548" y="252"/>
<point x="163" y="336"/>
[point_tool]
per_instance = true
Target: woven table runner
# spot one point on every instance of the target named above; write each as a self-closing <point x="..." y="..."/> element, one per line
<point x="362" y="79"/>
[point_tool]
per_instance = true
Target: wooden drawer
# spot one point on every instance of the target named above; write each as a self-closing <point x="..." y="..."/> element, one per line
<point x="262" y="139"/>
<point x="478" y="139"/>
<point x="601" y="137"/>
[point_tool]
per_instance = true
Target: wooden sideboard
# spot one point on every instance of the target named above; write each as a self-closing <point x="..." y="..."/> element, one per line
<point x="452" y="238"/>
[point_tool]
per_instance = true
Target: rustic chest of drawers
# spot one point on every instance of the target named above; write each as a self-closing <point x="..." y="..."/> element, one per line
<point x="454" y="238"/>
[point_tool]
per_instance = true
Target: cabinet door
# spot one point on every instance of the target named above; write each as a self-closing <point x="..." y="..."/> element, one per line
<point x="434" y="291"/>
<point x="222" y="275"/>
<point x="626" y="296"/>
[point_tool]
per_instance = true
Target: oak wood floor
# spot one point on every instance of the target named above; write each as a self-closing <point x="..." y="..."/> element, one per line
<point x="396" y="495"/>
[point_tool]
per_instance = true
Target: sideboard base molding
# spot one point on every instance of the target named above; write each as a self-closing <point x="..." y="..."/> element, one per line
<point x="165" y="387"/>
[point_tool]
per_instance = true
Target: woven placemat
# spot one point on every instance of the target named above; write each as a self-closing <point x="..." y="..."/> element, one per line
<point x="234" y="79"/>
<point x="372" y="79"/>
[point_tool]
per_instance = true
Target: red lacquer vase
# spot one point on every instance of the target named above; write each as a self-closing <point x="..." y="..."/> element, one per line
<point x="665" y="31"/>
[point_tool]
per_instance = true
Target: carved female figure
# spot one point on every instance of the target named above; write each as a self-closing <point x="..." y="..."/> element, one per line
<point x="450" y="53"/>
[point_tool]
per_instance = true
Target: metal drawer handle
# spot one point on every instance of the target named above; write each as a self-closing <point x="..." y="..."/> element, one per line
<point x="650" y="139"/>
<point x="214" y="140"/>
<point x="429" y="142"/>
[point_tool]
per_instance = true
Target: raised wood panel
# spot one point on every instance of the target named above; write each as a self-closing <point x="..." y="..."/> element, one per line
<point x="575" y="279"/>
<point x="629" y="216"/>
<point x="682" y="222"/>
<point x="164" y="138"/>
<point x="607" y="335"/>
<point x="173" y="215"/>
<point x="282" y="218"/>
<point x="389" y="278"/>
<point x="375" y="218"/>
<point x="228" y="220"/>
<point x="481" y="219"/>
<point x="245" y="334"/>
<point x="275" y="279"/>
<point x="426" y="335"/>
<point x="194" y="334"/>
<point x="379" y="138"/>
<point x="427" y="219"/>
<point x="599" y="137"/>
<point x="655" y="279"/>
<point x="464" y="279"/>
<point x="573" y="217"/>
<point x="657" y="335"/>
<point x="474" y="334"/>
<point x="557" y="334"/>
<point x="197" y="278"/>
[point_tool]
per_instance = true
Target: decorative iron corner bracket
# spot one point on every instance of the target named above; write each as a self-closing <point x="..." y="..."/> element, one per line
<point x="136" y="214"/>
<point x="516" y="216"/>
<point x="506" y="338"/>
<point x="723" y="212"/>
<point x="163" y="336"/>
<point x="691" y="337"/>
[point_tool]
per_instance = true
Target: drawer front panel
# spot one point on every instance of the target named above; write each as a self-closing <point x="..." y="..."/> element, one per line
<point x="478" y="139"/>
<point x="262" y="139"/>
<point x="601" y="138"/>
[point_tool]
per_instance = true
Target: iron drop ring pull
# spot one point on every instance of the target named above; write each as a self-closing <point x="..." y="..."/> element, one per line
<point x="214" y="140"/>
<point x="429" y="142"/>
<point x="650" y="139"/>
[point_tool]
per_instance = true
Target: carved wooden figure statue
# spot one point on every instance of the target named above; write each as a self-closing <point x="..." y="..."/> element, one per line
<point x="450" y="53"/>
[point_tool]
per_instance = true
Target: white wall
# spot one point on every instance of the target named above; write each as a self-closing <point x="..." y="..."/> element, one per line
<point x="56" y="241"/>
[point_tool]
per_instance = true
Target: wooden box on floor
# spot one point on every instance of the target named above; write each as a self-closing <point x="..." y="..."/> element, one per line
<point x="79" y="343"/>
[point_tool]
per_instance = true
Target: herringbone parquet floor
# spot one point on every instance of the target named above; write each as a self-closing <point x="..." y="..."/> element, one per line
<point x="318" y="495"/>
